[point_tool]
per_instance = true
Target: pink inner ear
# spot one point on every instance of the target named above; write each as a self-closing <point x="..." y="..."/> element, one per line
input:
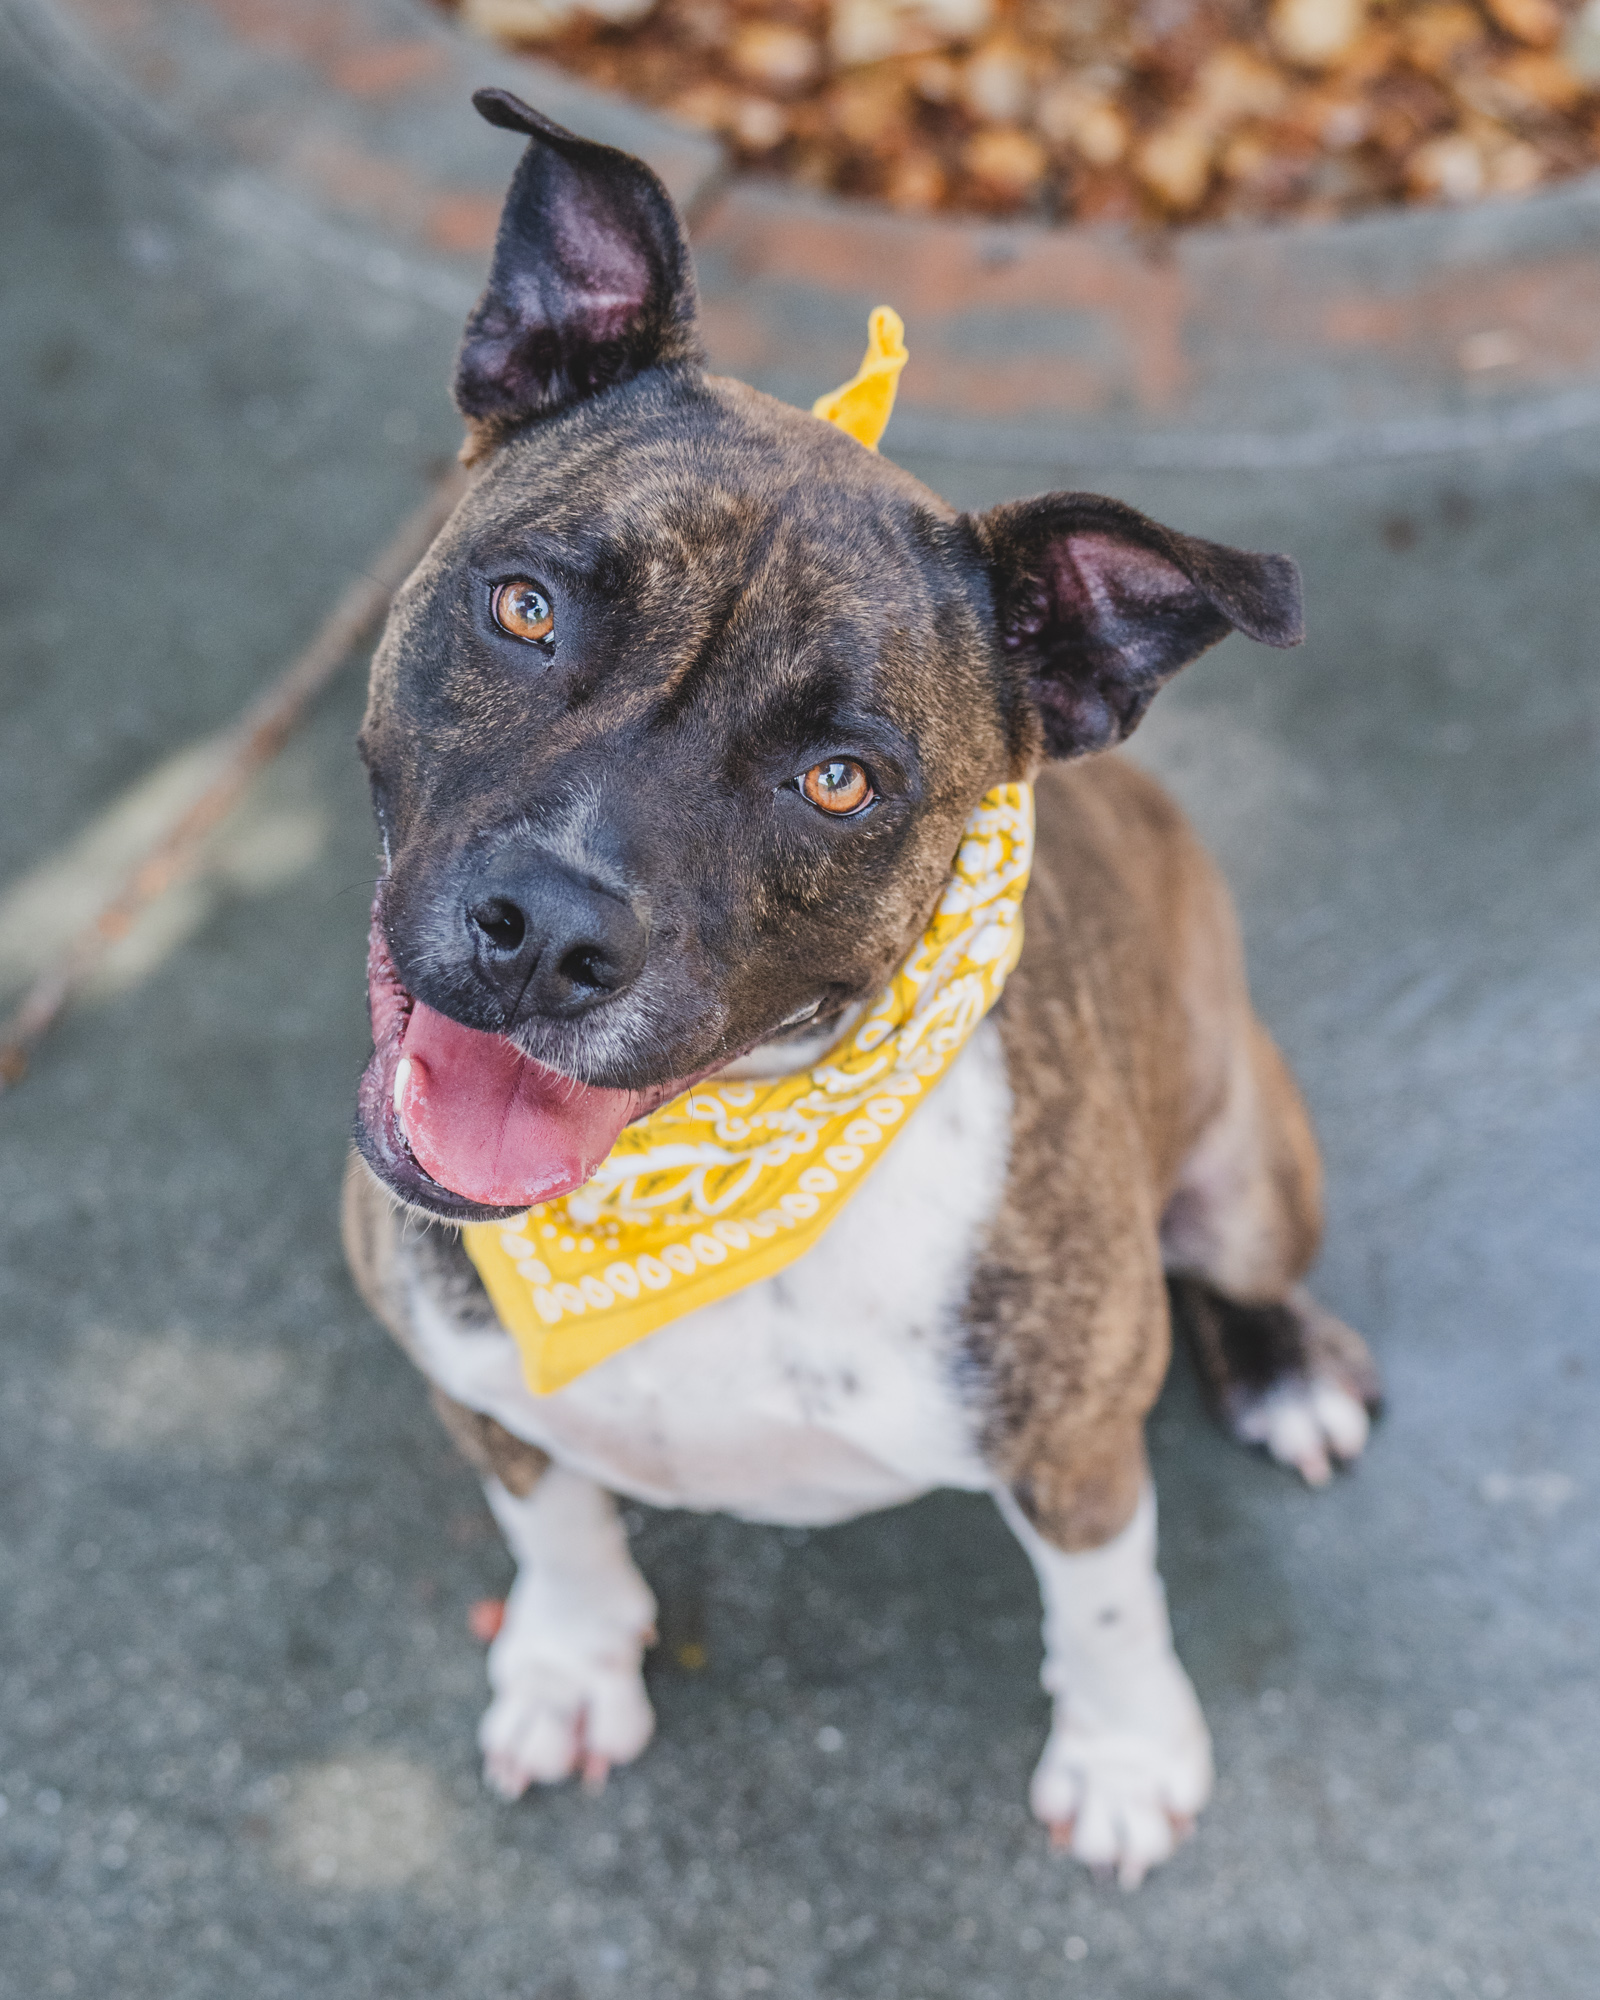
<point x="1100" y="573"/>
<point x="608" y="272"/>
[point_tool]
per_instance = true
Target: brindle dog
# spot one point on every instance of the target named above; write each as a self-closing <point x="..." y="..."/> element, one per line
<point x="672" y="736"/>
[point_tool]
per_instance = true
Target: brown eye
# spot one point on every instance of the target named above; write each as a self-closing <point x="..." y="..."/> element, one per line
<point x="522" y="609"/>
<point x="839" y="786"/>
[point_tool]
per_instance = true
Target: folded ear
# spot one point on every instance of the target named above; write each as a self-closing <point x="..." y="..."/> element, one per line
<point x="591" y="281"/>
<point x="1100" y="605"/>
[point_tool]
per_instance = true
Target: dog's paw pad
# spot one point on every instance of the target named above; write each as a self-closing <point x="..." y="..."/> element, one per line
<point x="553" y="1719"/>
<point x="1121" y="1804"/>
<point x="1308" y="1422"/>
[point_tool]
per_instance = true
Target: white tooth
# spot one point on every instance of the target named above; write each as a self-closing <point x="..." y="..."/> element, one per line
<point x="402" y="1077"/>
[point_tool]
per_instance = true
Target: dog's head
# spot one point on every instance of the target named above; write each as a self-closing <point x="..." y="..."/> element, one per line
<point x="673" y="732"/>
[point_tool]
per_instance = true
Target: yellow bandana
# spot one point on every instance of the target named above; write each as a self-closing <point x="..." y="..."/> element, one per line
<point x="733" y="1179"/>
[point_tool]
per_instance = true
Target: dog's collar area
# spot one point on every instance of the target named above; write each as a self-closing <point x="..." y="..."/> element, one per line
<point x="739" y="1174"/>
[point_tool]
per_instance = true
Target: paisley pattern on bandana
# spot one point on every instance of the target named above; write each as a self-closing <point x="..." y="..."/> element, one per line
<point x="735" y="1178"/>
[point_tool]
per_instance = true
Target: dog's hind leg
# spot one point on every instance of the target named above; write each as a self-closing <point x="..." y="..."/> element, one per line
<point x="566" y="1665"/>
<point x="1240" y="1230"/>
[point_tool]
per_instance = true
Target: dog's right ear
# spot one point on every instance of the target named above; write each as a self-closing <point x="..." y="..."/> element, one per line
<point x="1099" y="606"/>
<point x="591" y="282"/>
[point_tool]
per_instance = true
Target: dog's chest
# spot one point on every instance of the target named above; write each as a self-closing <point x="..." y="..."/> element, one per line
<point x="821" y="1393"/>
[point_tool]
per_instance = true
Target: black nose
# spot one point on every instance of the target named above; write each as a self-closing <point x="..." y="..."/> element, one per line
<point x="548" y="941"/>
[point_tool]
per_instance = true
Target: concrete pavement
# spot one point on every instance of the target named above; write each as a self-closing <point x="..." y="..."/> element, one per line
<point x="237" y="1689"/>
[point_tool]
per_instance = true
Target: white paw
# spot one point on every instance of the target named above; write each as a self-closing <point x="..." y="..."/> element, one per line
<point x="1119" y="1801"/>
<point x="1307" y="1422"/>
<point x="557" y="1713"/>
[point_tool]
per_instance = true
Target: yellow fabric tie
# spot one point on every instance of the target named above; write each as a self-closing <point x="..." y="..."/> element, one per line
<point x="735" y="1178"/>
<point x="862" y="407"/>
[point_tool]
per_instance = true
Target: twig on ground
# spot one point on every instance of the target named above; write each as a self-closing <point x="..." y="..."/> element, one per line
<point x="241" y="751"/>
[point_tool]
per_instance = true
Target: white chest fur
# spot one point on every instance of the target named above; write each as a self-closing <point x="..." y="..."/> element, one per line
<point x="824" y="1392"/>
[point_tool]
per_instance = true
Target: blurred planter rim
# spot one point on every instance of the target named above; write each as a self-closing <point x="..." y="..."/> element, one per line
<point x="345" y="124"/>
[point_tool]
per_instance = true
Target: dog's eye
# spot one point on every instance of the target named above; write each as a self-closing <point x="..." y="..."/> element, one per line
<point x="839" y="786"/>
<point x="522" y="609"/>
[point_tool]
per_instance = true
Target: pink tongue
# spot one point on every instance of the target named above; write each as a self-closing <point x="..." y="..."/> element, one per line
<point x="490" y="1124"/>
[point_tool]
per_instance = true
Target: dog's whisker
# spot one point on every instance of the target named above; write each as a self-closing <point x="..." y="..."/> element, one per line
<point x="349" y="889"/>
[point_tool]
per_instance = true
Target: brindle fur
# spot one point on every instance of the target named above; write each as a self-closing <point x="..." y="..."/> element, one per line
<point x="1129" y="1038"/>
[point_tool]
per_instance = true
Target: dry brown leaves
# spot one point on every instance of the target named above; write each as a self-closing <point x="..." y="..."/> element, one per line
<point x="1167" y="110"/>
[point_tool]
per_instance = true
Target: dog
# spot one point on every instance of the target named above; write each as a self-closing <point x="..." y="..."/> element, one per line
<point x="672" y="736"/>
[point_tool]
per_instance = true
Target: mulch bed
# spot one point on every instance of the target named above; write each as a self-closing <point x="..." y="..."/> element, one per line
<point x="1106" y="110"/>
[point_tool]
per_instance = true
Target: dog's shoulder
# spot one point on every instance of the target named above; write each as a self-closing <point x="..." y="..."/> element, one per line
<point x="1113" y="1026"/>
<point x="1120" y="1009"/>
<point x="1115" y="863"/>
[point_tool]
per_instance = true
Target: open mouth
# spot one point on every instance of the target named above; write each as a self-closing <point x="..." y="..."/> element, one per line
<point x="461" y="1123"/>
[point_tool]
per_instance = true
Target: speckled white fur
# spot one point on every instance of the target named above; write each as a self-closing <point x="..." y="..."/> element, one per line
<point x="1128" y="1762"/>
<point x="816" y="1395"/>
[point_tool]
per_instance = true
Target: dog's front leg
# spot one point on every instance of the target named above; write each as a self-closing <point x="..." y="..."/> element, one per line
<point x="565" y="1668"/>
<point x="1128" y="1763"/>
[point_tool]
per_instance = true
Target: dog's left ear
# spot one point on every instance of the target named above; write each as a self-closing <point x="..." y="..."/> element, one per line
<point x="591" y="281"/>
<point x="1100" y="605"/>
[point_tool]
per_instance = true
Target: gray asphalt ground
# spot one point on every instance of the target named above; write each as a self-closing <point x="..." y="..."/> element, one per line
<point x="237" y="1686"/>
